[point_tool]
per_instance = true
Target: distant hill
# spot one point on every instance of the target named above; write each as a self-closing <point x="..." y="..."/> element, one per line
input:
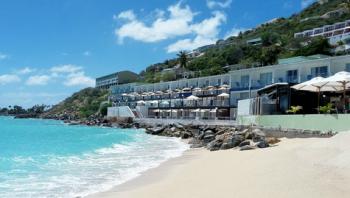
<point x="277" y="38"/>
<point x="80" y="105"/>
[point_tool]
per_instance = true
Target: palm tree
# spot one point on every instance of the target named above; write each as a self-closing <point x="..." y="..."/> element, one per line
<point x="182" y="57"/>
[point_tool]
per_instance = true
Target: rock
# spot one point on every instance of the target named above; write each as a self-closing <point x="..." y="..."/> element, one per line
<point x="272" y="140"/>
<point x="177" y="134"/>
<point x="214" y="145"/>
<point x="186" y="135"/>
<point x="262" y="144"/>
<point x="246" y="148"/>
<point x="226" y="146"/>
<point x="244" y="143"/>
<point x="236" y="140"/>
<point x="209" y="131"/>
<point x="208" y="138"/>
<point x="258" y="135"/>
<point x="155" y="130"/>
<point x="179" y="126"/>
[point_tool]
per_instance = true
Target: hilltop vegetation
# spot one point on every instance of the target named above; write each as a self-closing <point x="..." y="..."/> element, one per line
<point x="83" y="104"/>
<point x="277" y="39"/>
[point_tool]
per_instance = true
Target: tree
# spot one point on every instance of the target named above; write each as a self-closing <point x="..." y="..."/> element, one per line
<point x="317" y="45"/>
<point x="182" y="57"/>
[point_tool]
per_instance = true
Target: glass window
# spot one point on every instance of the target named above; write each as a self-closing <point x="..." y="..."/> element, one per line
<point x="319" y="71"/>
<point x="347" y="67"/>
<point x="292" y="76"/>
<point x="245" y="81"/>
<point x="244" y="96"/>
<point x="219" y="81"/>
<point x="266" y="78"/>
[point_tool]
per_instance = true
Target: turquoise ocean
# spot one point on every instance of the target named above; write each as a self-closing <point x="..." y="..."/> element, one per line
<point x="46" y="158"/>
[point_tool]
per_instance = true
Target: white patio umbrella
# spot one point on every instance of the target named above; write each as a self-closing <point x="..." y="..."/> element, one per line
<point x="224" y="95"/>
<point x="165" y="102"/>
<point x="197" y="89"/>
<point x="316" y="84"/>
<point x="192" y="97"/>
<point x="154" y="102"/>
<point x="339" y="81"/>
<point x="141" y="102"/>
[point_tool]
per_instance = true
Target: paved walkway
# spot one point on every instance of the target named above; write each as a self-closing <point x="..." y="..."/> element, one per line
<point x="152" y="121"/>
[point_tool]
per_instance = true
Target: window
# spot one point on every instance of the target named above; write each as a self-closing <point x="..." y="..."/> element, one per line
<point x="292" y="76"/>
<point x="219" y="81"/>
<point x="244" y="95"/>
<point x="266" y="79"/>
<point x="347" y="67"/>
<point x="245" y="81"/>
<point x="319" y="71"/>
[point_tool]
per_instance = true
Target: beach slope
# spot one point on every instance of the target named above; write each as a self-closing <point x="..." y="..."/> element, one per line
<point x="316" y="167"/>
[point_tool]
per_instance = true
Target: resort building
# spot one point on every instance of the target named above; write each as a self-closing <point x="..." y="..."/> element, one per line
<point x="335" y="33"/>
<point x="216" y="97"/>
<point x="123" y="77"/>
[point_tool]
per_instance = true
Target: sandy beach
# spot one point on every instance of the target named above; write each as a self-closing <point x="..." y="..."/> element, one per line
<point x="313" y="167"/>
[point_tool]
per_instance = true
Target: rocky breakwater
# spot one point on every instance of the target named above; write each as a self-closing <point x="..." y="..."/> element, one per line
<point x="216" y="138"/>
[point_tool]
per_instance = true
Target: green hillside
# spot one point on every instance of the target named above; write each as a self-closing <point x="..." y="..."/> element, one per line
<point x="82" y="104"/>
<point x="277" y="42"/>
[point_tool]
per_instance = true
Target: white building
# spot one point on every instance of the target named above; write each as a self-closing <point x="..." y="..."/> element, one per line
<point x="335" y="33"/>
<point x="239" y="84"/>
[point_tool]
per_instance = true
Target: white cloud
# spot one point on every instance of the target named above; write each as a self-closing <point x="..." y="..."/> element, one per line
<point x="79" y="79"/>
<point x="176" y="24"/>
<point x="65" y="69"/>
<point x="178" y="21"/>
<point x="206" y="33"/>
<point x="9" y="78"/>
<point x="127" y="15"/>
<point x="306" y="3"/>
<point x="3" y="56"/>
<point x="25" y="70"/>
<point x="87" y="53"/>
<point x="73" y="75"/>
<point x="38" y="80"/>
<point x="234" y="32"/>
<point x="218" y="4"/>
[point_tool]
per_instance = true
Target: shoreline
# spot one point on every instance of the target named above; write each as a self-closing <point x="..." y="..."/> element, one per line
<point x="314" y="167"/>
<point x="147" y="177"/>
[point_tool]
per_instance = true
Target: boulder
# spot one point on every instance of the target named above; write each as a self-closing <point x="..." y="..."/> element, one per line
<point x="262" y="144"/>
<point x="244" y="143"/>
<point x="226" y="146"/>
<point x="186" y="135"/>
<point x="236" y="140"/>
<point x="208" y="138"/>
<point x="214" y="145"/>
<point x="246" y="148"/>
<point x="156" y="130"/>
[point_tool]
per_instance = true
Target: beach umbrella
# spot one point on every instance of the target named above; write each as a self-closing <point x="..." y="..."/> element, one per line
<point x="165" y="102"/>
<point x="316" y="84"/>
<point x="197" y="89"/>
<point x="210" y="87"/>
<point x="186" y="89"/>
<point x="192" y="97"/>
<point x="224" y="95"/>
<point x="339" y="81"/>
<point x="141" y="102"/>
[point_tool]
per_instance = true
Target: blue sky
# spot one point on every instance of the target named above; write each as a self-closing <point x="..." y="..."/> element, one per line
<point x="52" y="48"/>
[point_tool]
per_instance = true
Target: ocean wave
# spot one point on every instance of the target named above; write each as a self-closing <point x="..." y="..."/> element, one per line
<point x="96" y="171"/>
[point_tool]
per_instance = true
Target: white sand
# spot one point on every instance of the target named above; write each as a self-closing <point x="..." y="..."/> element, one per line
<point x="311" y="168"/>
